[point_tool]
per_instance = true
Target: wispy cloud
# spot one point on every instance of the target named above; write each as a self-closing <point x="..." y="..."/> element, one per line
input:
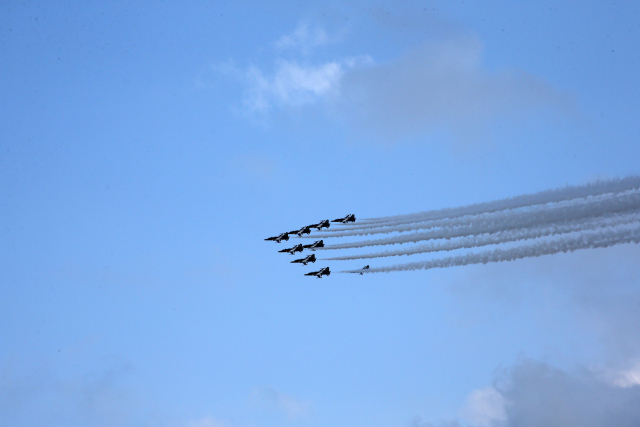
<point x="291" y="85"/>
<point x="294" y="84"/>
<point x="437" y="86"/>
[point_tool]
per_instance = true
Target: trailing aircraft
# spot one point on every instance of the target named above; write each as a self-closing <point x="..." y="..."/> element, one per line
<point x="303" y="230"/>
<point x="366" y="267"/>
<point x="293" y="250"/>
<point x="321" y="224"/>
<point x="307" y="259"/>
<point x="322" y="272"/>
<point x="346" y="219"/>
<point x="314" y="245"/>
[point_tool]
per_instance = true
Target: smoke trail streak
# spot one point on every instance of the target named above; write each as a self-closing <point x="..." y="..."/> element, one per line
<point x="503" y="237"/>
<point x="548" y="196"/>
<point x="586" y="241"/>
<point x="509" y="222"/>
<point x="500" y="216"/>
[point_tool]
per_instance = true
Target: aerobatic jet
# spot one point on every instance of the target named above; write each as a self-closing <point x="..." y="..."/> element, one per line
<point x="322" y="272"/>
<point x="280" y="238"/>
<point x="321" y="224"/>
<point x="303" y="230"/>
<point x="346" y="219"/>
<point x="293" y="250"/>
<point x="314" y="245"/>
<point x="366" y="267"/>
<point x="306" y="260"/>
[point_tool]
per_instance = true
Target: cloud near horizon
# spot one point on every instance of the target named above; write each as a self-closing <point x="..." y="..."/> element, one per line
<point x="537" y="394"/>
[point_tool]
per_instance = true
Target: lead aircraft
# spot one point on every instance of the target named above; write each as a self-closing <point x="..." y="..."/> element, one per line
<point x="322" y="272"/>
<point x="293" y="250"/>
<point x="306" y="260"/>
<point x="346" y="219"/>
<point x="280" y="238"/>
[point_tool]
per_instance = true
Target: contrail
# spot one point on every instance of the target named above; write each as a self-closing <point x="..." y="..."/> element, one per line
<point x="543" y="197"/>
<point x="498" y="216"/>
<point x="503" y="237"/>
<point x="568" y="244"/>
<point x="497" y="223"/>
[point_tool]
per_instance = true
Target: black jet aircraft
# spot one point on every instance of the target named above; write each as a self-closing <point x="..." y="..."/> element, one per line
<point x="280" y="238"/>
<point x="303" y="230"/>
<point x="322" y="272"/>
<point x="293" y="250"/>
<point x="366" y="267"/>
<point x="321" y="224"/>
<point x="314" y="245"/>
<point x="346" y="219"/>
<point x="306" y="260"/>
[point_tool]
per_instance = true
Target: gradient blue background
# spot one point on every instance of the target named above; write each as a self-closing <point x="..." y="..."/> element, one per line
<point x="137" y="186"/>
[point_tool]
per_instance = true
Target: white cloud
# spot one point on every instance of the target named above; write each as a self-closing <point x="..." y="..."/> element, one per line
<point x="622" y="377"/>
<point x="485" y="408"/>
<point x="437" y="86"/>
<point x="293" y="84"/>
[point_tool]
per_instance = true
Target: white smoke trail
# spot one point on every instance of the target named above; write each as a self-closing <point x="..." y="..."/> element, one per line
<point x="543" y="197"/>
<point x="503" y="237"/>
<point x="495" y="223"/>
<point x="595" y="203"/>
<point x="585" y="241"/>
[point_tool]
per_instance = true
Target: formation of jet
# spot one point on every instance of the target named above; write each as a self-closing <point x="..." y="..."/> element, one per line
<point x="280" y="238"/>
<point x="293" y="250"/>
<point x="312" y="246"/>
<point x="322" y="272"/>
<point x="346" y="219"/>
<point x="306" y="260"/>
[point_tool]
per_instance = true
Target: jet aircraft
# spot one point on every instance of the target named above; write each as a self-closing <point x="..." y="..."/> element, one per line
<point x="366" y="267"/>
<point x="314" y="245"/>
<point x="293" y="250"/>
<point x="321" y="224"/>
<point x="306" y="260"/>
<point x="346" y="219"/>
<point x="303" y="230"/>
<point x="322" y="272"/>
<point x="280" y="238"/>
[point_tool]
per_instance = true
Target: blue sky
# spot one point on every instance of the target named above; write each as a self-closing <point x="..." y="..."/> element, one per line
<point x="146" y="150"/>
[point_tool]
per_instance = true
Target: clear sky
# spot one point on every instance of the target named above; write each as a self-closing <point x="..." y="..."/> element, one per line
<point x="148" y="148"/>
